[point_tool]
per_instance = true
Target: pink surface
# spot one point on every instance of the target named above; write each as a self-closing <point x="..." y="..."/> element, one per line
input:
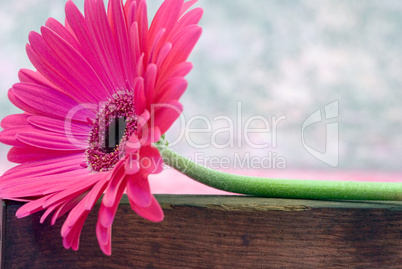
<point x="172" y="182"/>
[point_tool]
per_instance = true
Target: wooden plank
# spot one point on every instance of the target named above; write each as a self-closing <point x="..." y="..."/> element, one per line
<point x="221" y="232"/>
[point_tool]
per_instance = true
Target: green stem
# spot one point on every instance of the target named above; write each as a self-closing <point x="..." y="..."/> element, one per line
<point x="283" y="188"/>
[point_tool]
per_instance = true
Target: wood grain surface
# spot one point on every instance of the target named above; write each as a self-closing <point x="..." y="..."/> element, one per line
<point x="219" y="232"/>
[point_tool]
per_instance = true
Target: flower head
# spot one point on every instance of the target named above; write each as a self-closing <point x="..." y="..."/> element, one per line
<point x="106" y="88"/>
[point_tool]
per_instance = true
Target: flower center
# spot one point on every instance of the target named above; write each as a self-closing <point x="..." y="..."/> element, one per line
<point x="113" y="125"/>
<point x="114" y="133"/>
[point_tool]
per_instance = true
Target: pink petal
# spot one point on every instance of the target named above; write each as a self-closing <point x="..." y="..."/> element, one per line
<point x="79" y="26"/>
<point x="104" y="42"/>
<point x="163" y="53"/>
<point x="29" y="154"/>
<point x="72" y="234"/>
<point x="48" y="211"/>
<point x="61" y="31"/>
<point x="56" y="165"/>
<point x="173" y="89"/>
<point x="166" y="114"/>
<point x="30" y="208"/>
<point x="74" y="220"/>
<point x="96" y="191"/>
<point x="142" y="20"/>
<point x="139" y="95"/>
<point x="120" y="32"/>
<point x="104" y="235"/>
<point x="50" y="65"/>
<point x="76" y="66"/>
<point x="63" y="209"/>
<point x="69" y="187"/>
<point x="191" y="17"/>
<point x="141" y="64"/>
<point x="166" y="16"/>
<point x="151" y="160"/>
<point x="142" y="130"/>
<point x="180" y="70"/>
<point x="132" y="165"/>
<point x="116" y="180"/>
<point x="76" y="241"/>
<point x="153" y="212"/>
<point x="33" y="77"/>
<point x="138" y="190"/>
<point x="18" y="103"/>
<point x="182" y="45"/>
<point x="135" y="44"/>
<point x="153" y="135"/>
<point x="14" y="120"/>
<point x="156" y="135"/>
<point x="61" y="126"/>
<point x="49" y="102"/>
<point x="32" y="186"/>
<point x="106" y="214"/>
<point x="9" y="136"/>
<point x="52" y="141"/>
<point x="130" y="10"/>
<point x="149" y="83"/>
<point x="154" y="50"/>
<point x="186" y="6"/>
<point x="73" y="189"/>
<point x="132" y="146"/>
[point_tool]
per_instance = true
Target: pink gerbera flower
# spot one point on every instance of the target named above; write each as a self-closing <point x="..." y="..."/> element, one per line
<point x="105" y="89"/>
